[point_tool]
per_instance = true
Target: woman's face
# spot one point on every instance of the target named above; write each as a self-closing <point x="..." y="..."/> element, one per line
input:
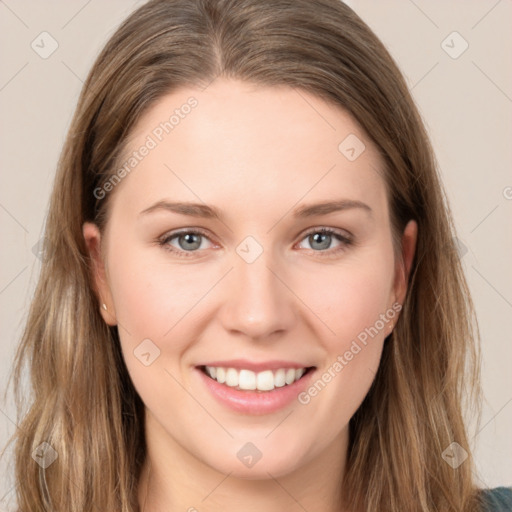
<point x="214" y="257"/>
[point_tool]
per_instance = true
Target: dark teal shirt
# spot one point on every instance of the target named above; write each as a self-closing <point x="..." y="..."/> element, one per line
<point x="498" y="499"/>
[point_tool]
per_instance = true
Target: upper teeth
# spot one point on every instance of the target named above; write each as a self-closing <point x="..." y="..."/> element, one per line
<point x="247" y="379"/>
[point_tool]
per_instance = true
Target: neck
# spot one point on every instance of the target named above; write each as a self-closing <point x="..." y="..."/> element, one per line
<point x="174" y="479"/>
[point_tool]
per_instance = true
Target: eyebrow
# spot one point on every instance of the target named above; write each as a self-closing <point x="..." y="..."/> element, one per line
<point x="330" y="207"/>
<point x="210" y="212"/>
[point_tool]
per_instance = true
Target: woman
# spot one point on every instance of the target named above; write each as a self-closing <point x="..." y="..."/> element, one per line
<point x="250" y="295"/>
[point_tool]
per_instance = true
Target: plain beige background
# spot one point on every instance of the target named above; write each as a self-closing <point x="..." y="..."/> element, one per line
<point x="465" y="98"/>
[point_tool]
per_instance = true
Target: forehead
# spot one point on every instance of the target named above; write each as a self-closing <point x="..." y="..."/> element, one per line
<point x="234" y="139"/>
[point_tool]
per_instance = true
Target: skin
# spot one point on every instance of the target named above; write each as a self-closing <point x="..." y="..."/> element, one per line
<point x="256" y="154"/>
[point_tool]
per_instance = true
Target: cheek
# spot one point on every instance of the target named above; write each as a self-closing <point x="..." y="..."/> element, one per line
<point x="357" y="307"/>
<point x="142" y="296"/>
<point x="155" y="300"/>
<point x="154" y="306"/>
<point x="353" y="298"/>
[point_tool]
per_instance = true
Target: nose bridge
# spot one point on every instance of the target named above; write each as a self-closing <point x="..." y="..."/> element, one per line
<point x="259" y="303"/>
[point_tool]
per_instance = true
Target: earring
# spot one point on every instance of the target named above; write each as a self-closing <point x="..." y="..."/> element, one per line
<point x="104" y="306"/>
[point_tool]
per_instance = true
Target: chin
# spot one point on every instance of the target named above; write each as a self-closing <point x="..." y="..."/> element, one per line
<point x="250" y="463"/>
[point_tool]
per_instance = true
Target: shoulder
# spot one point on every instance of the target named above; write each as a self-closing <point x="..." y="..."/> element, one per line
<point x="498" y="499"/>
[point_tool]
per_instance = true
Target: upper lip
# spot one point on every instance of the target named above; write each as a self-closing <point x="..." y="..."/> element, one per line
<point x="244" y="364"/>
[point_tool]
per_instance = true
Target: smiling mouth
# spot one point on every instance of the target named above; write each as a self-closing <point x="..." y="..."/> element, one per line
<point x="247" y="380"/>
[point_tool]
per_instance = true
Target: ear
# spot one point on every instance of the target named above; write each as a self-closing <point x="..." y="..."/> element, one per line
<point x="409" y="238"/>
<point x="92" y="237"/>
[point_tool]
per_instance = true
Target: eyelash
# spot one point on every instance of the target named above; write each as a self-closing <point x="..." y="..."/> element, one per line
<point x="345" y="240"/>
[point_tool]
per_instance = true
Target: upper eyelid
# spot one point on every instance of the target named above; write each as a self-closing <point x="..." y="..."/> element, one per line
<point x="172" y="234"/>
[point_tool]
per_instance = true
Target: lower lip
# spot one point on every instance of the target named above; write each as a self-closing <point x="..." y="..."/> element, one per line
<point x="256" y="402"/>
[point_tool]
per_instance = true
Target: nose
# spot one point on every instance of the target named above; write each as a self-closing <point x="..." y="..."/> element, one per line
<point x="258" y="302"/>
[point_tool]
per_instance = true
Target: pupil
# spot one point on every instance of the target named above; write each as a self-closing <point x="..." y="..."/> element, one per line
<point x="191" y="239"/>
<point x="322" y="238"/>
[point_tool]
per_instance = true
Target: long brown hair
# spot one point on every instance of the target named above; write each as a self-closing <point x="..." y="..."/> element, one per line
<point x="83" y="403"/>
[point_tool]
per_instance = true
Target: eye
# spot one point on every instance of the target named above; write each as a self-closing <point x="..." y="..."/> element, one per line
<point x="188" y="241"/>
<point x="321" y="239"/>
